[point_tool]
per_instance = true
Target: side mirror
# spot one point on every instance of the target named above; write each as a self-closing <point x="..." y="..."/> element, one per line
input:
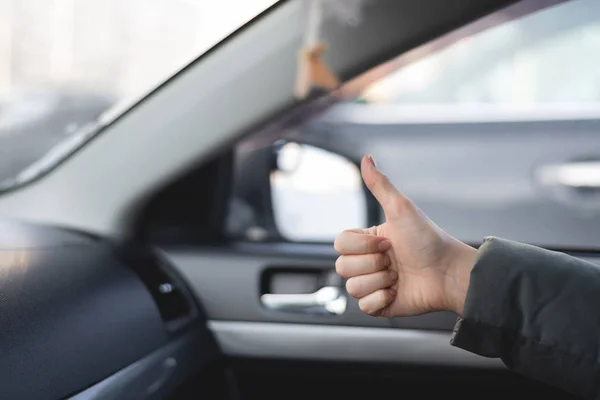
<point x="303" y="193"/>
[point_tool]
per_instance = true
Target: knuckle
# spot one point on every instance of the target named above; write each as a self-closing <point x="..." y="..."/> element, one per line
<point x="376" y="262"/>
<point x="386" y="278"/>
<point x="372" y="245"/>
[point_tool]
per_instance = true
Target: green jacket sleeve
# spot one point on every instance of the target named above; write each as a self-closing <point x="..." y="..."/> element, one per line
<point x="537" y="310"/>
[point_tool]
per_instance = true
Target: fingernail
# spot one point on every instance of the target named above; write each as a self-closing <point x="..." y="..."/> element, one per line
<point x="393" y="274"/>
<point x="385" y="245"/>
<point x="392" y="292"/>
<point x="386" y="261"/>
<point x="372" y="160"/>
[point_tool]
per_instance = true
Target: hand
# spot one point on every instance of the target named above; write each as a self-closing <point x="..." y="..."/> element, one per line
<point x="406" y="266"/>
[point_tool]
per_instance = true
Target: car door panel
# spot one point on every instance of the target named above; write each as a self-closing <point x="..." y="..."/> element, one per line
<point x="329" y="343"/>
<point x="228" y="283"/>
<point x="226" y="277"/>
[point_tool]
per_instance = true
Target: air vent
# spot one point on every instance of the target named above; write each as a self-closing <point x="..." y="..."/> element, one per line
<point x="172" y="298"/>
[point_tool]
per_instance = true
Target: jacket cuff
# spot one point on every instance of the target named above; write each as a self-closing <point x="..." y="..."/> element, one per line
<point x="534" y="309"/>
<point x="484" y="296"/>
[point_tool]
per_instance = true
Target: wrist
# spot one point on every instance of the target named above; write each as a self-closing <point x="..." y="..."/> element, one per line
<point x="462" y="258"/>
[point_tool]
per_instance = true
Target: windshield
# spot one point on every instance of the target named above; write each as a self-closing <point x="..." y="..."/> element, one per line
<point x="64" y="63"/>
<point x="521" y="65"/>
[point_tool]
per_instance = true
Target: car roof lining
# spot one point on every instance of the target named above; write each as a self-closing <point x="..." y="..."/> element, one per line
<point x="213" y="102"/>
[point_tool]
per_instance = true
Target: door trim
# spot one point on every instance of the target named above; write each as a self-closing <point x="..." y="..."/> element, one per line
<point x="337" y="343"/>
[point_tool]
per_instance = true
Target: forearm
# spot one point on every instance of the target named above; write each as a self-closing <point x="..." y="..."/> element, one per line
<point x="537" y="310"/>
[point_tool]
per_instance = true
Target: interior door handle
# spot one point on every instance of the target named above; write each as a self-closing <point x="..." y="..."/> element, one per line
<point x="329" y="300"/>
<point x="579" y="174"/>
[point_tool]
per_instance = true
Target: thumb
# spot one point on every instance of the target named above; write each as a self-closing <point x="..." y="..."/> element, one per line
<point x="383" y="190"/>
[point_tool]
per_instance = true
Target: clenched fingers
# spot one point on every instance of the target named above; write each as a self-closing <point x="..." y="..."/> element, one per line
<point x="362" y="264"/>
<point x="363" y="285"/>
<point x="375" y="302"/>
<point x="353" y="242"/>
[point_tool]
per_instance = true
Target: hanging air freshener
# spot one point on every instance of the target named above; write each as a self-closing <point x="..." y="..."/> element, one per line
<point x="313" y="72"/>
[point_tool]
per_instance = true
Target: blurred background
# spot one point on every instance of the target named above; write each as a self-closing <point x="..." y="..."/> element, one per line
<point x="64" y="62"/>
<point x="116" y="47"/>
<point x="496" y="134"/>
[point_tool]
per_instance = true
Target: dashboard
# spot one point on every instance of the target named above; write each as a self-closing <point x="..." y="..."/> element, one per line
<point x="82" y="317"/>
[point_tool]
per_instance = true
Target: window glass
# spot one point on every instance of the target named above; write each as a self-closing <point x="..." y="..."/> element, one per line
<point x="65" y="62"/>
<point x="548" y="57"/>
<point x="497" y="134"/>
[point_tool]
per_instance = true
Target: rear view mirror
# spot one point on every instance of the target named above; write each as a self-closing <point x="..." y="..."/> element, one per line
<point x="315" y="194"/>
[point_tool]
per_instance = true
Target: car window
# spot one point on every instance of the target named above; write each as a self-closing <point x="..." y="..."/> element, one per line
<point x="63" y="63"/>
<point x="497" y="134"/>
<point x="548" y="57"/>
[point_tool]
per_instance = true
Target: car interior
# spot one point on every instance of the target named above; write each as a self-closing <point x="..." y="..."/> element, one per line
<point x="182" y="246"/>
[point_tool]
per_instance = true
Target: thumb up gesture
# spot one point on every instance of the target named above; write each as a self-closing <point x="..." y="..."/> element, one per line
<point x="406" y="266"/>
